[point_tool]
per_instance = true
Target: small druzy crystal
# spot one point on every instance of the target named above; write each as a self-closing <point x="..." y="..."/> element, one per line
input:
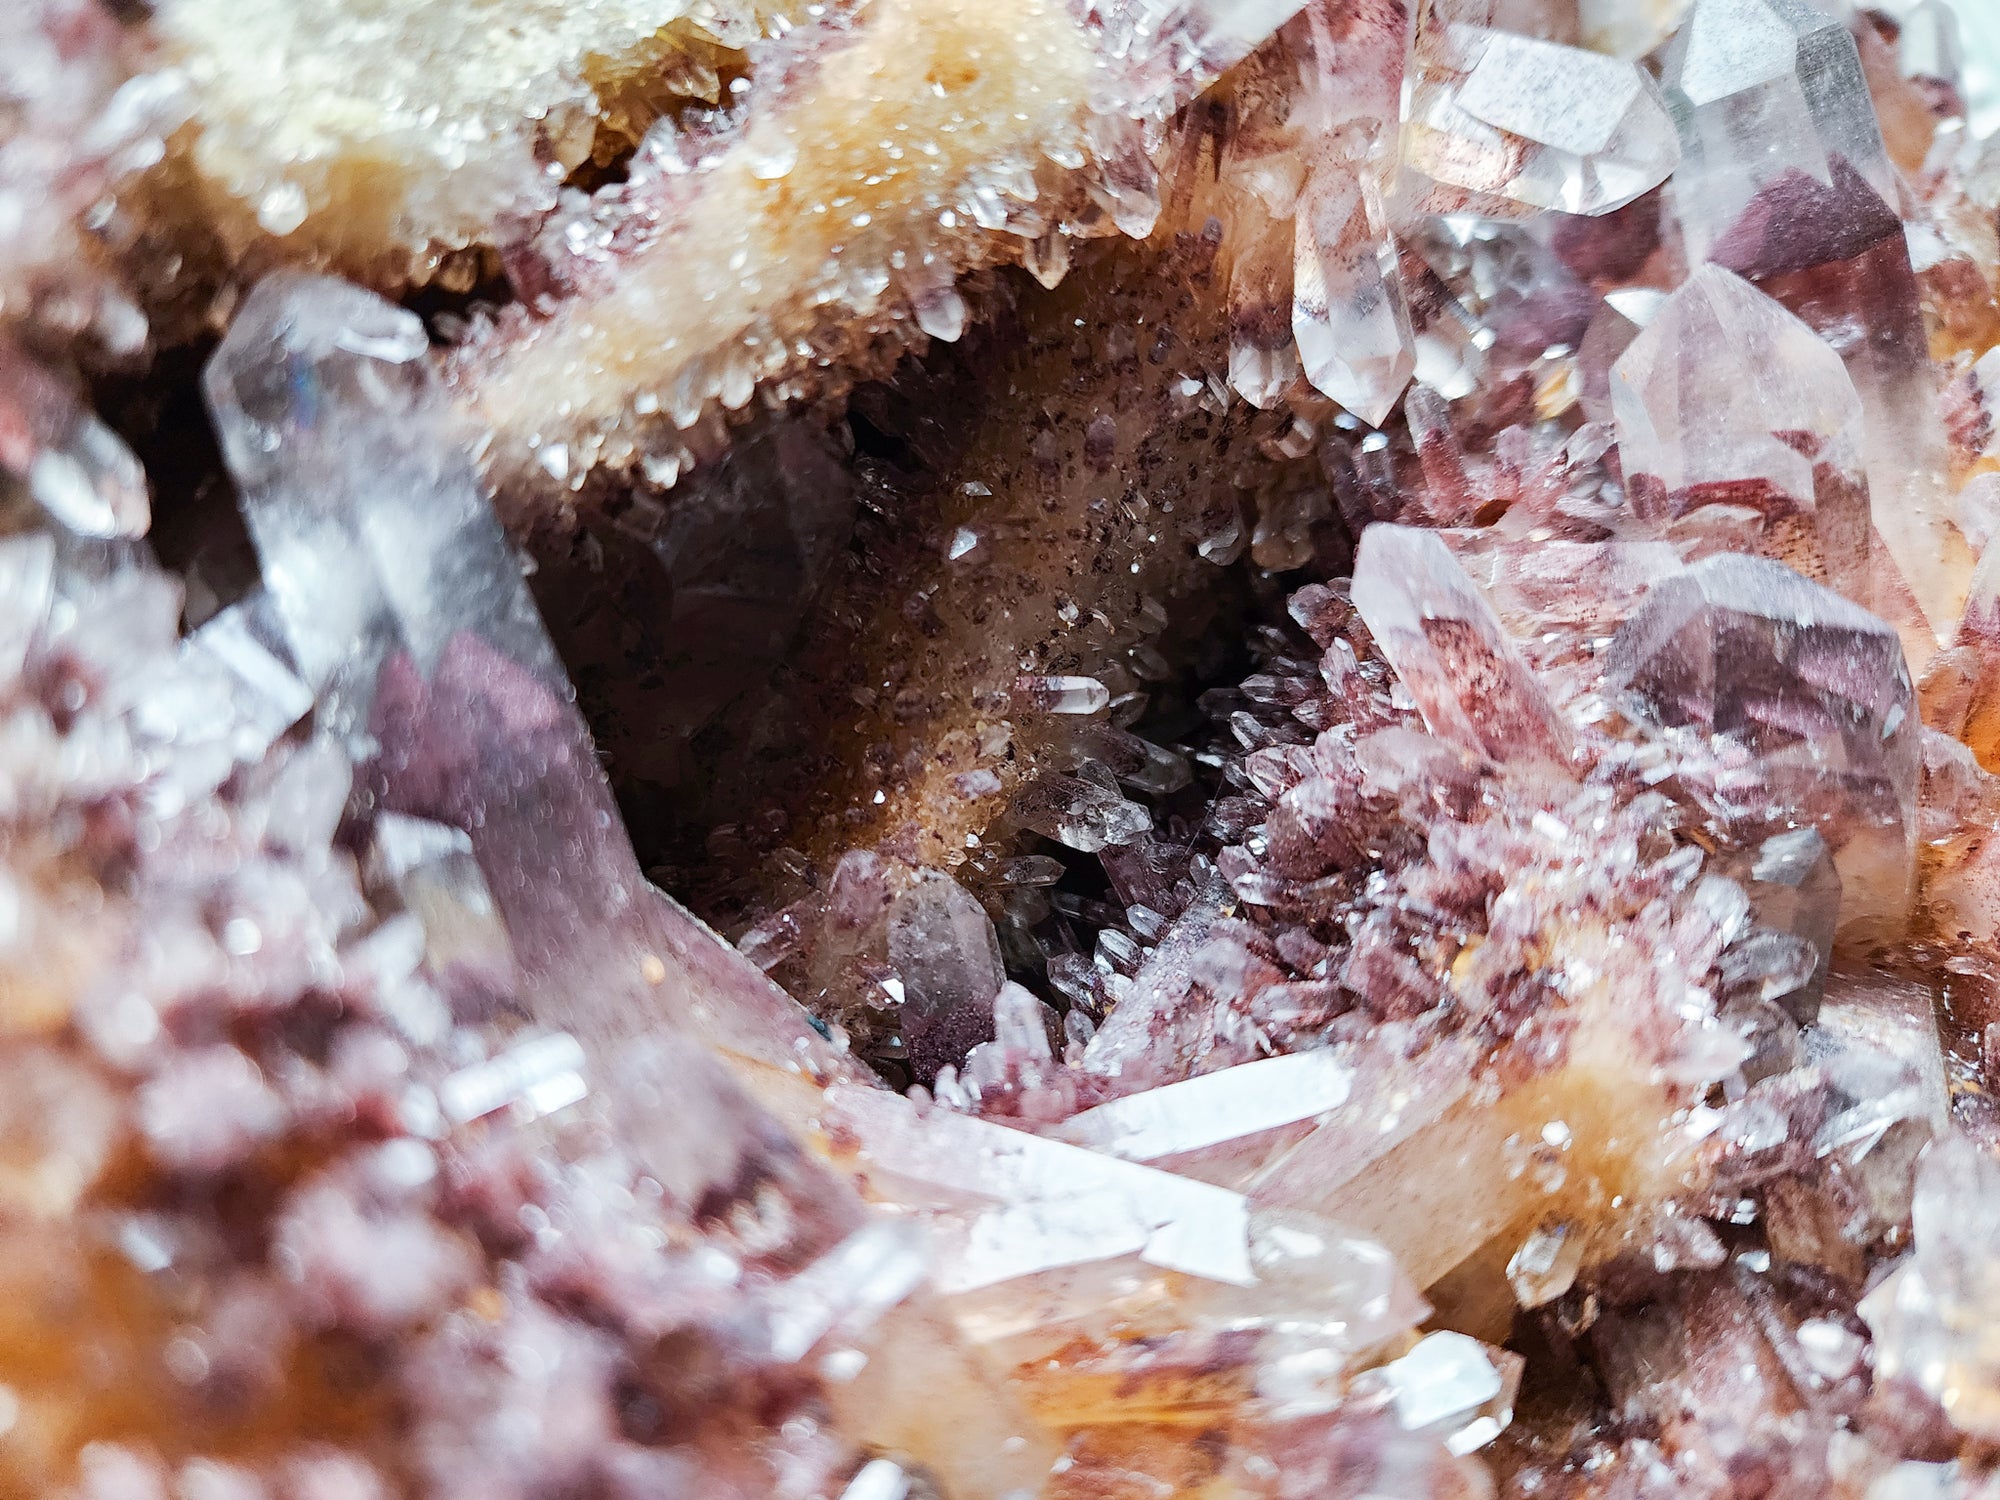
<point x="1329" y="670"/>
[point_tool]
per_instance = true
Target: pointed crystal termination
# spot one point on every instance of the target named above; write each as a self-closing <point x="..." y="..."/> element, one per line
<point x="1761" y="89"/>
<point x="1837" y="256"/>
<point x="1794" y="889"/>
<point x="1450" y="650"/>
<point x="1807" y="711"/>
<point x="1726" y="398"/>
<point x="1263" y="362"/>
<point x="1504" y="124"/>
<point x="1348" y="312"/>
<point x="408" y="617"/>
<point x="377" y="541"/>
<point x="1199" y="40"/>
<point x="944" y="949"/>
<point x="1786" y="181"/>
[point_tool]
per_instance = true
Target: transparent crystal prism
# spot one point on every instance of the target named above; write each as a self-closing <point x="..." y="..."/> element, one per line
<point x="1794" y="707"/>
<point x="1517" y="123"/>
<point x="1759" y="89"/>
<point x="1349" y="318"/>
<point x="406" y="613"/>
<point x="1450" y="649"/>
<point x="942" y="945"/>
<point x="1726" y="398"/>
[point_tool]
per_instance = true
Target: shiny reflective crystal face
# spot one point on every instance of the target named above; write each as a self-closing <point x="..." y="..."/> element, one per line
<point x="999" y="751"/>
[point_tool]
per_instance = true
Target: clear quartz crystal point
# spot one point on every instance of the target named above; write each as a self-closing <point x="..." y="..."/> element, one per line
<point x="943" y="947"/>
<point x="1454" y="1386"/>
<point x="377" y="538"/>
<point x="407" y="616"/>
<point x="1516" y="124"/>
<point x="1349" y="318"/>
<point x="1761" y="89"/>
<point x="1726" y="398"/>
<point x="1450" y="649"/>
<point x="1063" y="695"/>
<point x="1791" y="706"/>
<point x="1263" y="360"/>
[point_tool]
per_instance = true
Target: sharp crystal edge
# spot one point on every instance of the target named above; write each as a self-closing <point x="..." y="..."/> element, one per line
<point x="1333" y="665"/>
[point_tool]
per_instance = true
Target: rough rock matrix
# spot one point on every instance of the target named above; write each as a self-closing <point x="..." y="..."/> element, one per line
<point x="913" y="750"/>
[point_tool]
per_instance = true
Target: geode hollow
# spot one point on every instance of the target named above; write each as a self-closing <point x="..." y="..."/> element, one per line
<point x="912" y="750"/>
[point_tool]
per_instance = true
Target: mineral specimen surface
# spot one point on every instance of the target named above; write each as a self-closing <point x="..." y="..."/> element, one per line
<point x="1326" y="676"/>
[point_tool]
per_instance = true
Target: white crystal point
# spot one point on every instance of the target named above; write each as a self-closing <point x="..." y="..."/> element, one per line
<point x="1349" y="318"/>
<point x="1214" y="1108"/>
<point x="1759" y="89"/>
<point x="1726" y="397"/>
<point x="1022" y="1205"/>
<point x="1456" y="1387"/>
<point x="1536" y="123"/>
<point x="1450" y="649"/>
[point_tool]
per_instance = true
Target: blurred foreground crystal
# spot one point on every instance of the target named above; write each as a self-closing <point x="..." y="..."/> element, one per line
<point x="407" y="614"/>
<point x="1936" y="1318"/>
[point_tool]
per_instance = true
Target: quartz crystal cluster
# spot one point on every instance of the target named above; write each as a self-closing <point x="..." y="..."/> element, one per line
<point x="1334" y="668"/>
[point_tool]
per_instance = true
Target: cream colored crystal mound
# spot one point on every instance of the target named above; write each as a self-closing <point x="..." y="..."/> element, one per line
<point x="379" y="136"/>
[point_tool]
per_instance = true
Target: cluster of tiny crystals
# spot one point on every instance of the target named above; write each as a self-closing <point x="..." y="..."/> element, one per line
<point x="1335" y="666"/>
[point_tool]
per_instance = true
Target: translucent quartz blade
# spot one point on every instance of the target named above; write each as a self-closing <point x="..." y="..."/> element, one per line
<point x="1214" y="1109"/>
<point x="1450" y="650"/>
<point x="1034" y="1205"/>
<point x="1523" y="124"/>
<point x="408" y="618"/>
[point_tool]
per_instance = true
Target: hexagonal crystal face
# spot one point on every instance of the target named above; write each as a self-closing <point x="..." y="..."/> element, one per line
<point x="1805" y="707"/>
